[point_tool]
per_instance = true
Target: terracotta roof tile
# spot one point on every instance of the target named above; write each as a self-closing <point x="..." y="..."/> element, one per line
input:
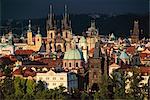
<point x="130" y="50"/>
<point x="24" y="52"/>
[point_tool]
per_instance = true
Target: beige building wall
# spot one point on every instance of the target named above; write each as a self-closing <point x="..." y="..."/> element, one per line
<point x="53" y="79"/>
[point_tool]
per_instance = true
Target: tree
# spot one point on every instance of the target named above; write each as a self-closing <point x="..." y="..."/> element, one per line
<point x="41" y="92"/>
<point x="118" y="79"/>
<point x="19" y="85"/>
<point x="136" y="89"/>
<point x="8" y="88"/>
<point x="103" y="93"/>
<point x="30" y="87"/>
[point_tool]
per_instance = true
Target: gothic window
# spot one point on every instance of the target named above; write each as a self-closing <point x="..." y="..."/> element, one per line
<point x="51" y="35"/>
<point x="66" y="35"/>
<point x="77" y="65"/>
<point x="69" y="64"/>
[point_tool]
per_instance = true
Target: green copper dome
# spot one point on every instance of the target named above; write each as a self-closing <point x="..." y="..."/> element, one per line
<point x="124" y="55"/>
<point x="82" y="40"/>
<point x="73" y="54"/>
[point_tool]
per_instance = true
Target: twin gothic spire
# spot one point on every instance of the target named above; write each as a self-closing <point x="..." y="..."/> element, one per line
<point x="51" y="23"/>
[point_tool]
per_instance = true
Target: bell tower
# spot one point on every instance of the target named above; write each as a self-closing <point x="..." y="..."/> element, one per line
<point x="38" y="40"/>
<point x="95" y="72"/>
<point x="135" y="33"/>
<point x="51" y="29"/>
<point x="29" y="34"/>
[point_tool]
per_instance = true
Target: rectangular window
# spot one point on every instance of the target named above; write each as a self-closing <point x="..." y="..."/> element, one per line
<point x="61" y="78"/>
<point x="54" y="78"/>
<point x="47" y="78"/>
<point x="54" y="84"/>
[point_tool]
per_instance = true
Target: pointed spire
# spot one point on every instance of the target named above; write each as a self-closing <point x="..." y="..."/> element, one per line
<point x="66" y="23"/>
<point x="29" y="26"/>
<point x="136" y="27"/>
<point x="65" y="10"/>
<point x="51" y="17"/>
<point x="93" y="23"/>
<point x="38" y="30"/>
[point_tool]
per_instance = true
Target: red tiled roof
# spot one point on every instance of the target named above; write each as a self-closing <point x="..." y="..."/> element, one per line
<point x="144" y="55"/>
<point x="17" y="72"/>
<point x="24" y="52"/>
<point x="29" y="72"/>
<point x="51" y="63"/>
<point x="145" y="70"/>
<point x="130" y="50"/>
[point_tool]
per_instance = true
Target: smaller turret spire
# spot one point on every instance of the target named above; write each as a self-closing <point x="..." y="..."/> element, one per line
<point x="38" y="30"/>
<point x="29" y="26"/>
<point x="93" y="23"/>
<point x="65" y="10"/>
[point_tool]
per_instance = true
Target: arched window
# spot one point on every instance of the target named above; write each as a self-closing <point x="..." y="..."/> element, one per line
<point x="69" y="64"/>
<point x="77" y="65"/>
<point x="66" y="35"/>
<point x="65" y="64"/>
<point x="51" y="35"/>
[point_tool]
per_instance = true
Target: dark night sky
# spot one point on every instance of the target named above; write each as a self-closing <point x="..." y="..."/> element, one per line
<point x="39" y="8"/>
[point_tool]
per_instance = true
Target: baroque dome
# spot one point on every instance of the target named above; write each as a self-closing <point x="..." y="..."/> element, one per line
<point x="73" y="54"/>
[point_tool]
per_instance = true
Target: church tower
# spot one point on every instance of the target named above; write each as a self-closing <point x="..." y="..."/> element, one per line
<point x="51" y="30"/>
<point x="38" y="40"/>
<point x="135" y="33"/>
<point x="66" y="26"/>
<point x="29" y="34"/>
<point x="95" y="72"/>
<point x="3" y="39"/>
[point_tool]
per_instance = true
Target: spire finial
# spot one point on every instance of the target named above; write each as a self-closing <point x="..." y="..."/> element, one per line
<point x="29" y="26"/>
<point x="65" y="10"/>
<point x="50" y="9"/>
<point x="38" y="30"/>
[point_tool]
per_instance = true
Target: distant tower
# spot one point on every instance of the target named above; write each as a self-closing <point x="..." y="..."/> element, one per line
<point x="66" y="26"/>
<point x="83" y="47"/>
<point x="3" y="39"/>
<point x="51" y="30"/>
<point x="135" y="33"/>
<point x="38" y="40"/>
<point x="29" y="34"/>
<point x="95" y="72"/>
<point x="10" y="38"/>
<point x="92" y="31"/>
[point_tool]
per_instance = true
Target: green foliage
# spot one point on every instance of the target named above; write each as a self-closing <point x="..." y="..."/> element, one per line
<point x="136" y="89"/>
<point x="19" y="85"/>
<point x="8" y="87"/>
<point x="118" y="83"/>
<point x="30" y="87"/>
